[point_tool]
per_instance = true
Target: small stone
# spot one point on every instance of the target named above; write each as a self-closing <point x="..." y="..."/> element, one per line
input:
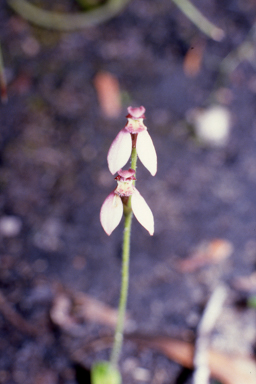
<point x="10" y="226"/>
<point x="130" y="364"/>
<point x="212" y="125"/>
<point x="49" y="237"/>
<point x="141" y="374"/>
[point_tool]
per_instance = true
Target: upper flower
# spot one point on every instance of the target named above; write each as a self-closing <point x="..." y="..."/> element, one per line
<point x="120" y="150"/>
<point x="112" y="209"/>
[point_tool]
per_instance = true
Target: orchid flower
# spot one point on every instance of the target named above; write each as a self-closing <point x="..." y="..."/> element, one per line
<point x="133" y="134"/>
<point x="112" y="209"/>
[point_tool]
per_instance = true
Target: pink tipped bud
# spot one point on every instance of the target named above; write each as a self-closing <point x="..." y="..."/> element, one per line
<point x="126" y="174"/>
<point x="136" y="113"/>
<point x="111" y="213"/>
<point x="142" y="212"/>
<point x="120" y="151"/>
<point x="146" y="152"/>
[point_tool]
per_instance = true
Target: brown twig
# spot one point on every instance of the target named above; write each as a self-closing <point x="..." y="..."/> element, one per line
<point x="14" y="318"/>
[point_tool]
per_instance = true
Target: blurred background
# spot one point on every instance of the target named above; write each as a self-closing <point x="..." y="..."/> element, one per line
<point x="68" y="93"/>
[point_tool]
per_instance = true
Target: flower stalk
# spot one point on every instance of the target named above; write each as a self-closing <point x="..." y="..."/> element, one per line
<point x="118" y="338"/>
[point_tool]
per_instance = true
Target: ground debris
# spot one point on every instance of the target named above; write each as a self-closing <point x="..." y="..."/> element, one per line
<point x="226" y="368"/>
<point x="107" y="87"/>
<point x="212" y="252"/>
<point x="71" y="311"/>
<point x="14" y="318"/>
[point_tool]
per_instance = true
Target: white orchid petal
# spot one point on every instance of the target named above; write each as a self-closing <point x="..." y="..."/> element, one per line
<point x="142" y="212"/>
<point x="111" y="213"/>
<point x="146" y="152"/>
<point x="119" y="151"/>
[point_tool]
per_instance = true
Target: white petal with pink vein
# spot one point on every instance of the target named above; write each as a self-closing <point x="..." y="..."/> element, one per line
<point x="142" y="212"/>
<point x="120" y="151"/>
<point x="111" y="213"/>
<point x="146" y="152"/>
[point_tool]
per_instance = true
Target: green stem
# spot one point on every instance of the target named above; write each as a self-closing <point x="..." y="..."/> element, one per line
<point x="118" y="338"/>
<point x="202" y="23"/>
<point x="65" y="21"/>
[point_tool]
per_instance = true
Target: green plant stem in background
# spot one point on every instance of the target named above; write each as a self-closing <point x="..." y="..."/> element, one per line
<point x="88" y="4"/>
<point x="70" y="22"/>
<point x="66" y="21"/>
<point x="118" y="338"/>
<point x="202" y="23"/>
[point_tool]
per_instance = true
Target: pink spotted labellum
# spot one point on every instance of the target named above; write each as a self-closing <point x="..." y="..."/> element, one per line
<point x="133" y="134"/>
<point x="112" y="209"/>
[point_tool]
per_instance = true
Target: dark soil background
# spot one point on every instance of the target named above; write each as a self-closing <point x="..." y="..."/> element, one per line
<point x="54" y="178"/>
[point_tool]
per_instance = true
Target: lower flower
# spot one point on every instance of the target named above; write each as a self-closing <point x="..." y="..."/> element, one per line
<point x="112" y="209"/>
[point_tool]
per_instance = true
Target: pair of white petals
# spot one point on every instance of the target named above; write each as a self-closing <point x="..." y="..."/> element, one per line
<point x="121" y="148"/>
<point x="112" y="211"/>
